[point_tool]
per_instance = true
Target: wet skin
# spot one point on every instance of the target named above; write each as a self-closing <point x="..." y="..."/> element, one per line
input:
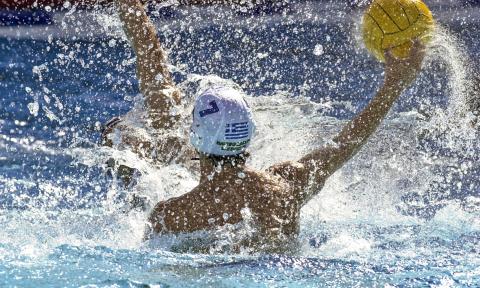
<point x="228" y="188"/>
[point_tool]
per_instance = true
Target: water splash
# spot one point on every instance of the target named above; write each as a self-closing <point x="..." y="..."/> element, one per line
<point x="367" y="212"/>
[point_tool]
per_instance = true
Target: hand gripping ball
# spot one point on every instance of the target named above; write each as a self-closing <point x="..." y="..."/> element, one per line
<point x="392" y="24"/>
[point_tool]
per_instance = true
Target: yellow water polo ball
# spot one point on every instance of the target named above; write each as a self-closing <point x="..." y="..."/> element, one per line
<point x="392" y="24"/>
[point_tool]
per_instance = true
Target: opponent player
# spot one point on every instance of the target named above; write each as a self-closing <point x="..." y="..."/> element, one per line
<point x="221" y="131"/>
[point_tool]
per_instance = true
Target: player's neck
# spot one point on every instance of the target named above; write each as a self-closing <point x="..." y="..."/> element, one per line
<point x="211" y="169"/>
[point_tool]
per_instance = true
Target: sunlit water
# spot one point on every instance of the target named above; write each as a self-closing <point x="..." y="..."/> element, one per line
<point x="405" y="212"/>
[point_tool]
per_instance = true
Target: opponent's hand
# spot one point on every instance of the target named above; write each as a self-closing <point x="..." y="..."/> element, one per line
<point x="400" y="73"/>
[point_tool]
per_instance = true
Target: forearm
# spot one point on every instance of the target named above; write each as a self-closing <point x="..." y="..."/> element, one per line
<point x="399" y="74"/>
<point x="135" y="20"/>
<point x="154" y="78"/>
<point x="359" y="129"/>
<point x="323" y="162"/>
<point x="151" y="58"/>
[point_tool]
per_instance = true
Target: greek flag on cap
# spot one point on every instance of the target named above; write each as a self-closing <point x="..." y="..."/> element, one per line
<point x="222" y="122"/>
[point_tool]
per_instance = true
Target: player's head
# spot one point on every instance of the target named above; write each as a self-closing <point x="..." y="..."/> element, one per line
<point x="223" y="123"/>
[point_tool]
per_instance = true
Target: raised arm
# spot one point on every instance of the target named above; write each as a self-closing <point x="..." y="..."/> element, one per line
<point x="311" y="171"/>
<point x="155" y="80"/>
<point x="151" y="58"/>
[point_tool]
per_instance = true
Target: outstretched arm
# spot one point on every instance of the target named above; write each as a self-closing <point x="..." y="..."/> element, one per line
<point x="310" y="173"/>
<point x="152" y="72"/>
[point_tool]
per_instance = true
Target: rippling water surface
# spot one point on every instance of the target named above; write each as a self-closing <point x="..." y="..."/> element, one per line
<point x="405" y="212"/>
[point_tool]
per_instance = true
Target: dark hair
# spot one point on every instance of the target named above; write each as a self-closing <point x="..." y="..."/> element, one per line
<point x="233" y="160"/>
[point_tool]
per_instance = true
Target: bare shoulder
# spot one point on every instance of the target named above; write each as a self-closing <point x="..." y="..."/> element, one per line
<point x="293" y="172"/>
<point x="269" y="185"/>
<point x="301" y="176"/>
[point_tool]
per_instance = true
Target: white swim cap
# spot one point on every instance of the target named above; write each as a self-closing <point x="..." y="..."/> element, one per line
<point x="222" y="122"/>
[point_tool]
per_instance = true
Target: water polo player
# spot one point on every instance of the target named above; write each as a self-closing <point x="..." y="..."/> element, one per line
<point x="222" y="128"/>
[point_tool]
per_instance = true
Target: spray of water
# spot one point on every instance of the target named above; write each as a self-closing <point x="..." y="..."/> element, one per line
<point x="367" y="191"/>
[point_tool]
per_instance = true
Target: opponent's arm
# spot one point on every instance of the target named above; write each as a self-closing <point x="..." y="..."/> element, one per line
<point x="155" y="80"/>
<point x="312" y="170"/>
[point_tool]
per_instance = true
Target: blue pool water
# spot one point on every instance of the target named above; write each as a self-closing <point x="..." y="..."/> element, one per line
<point x="405" y="212"/>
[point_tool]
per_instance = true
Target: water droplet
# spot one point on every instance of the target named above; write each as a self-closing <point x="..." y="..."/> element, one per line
<point x="173" y="112"/>
<point x="33" y="108"/>
<point x="159" y="77"/>
<point x="241" y="175"/>
<point x="318" y="51"/>
<point x="262" y="55"/>
<point x="226" y="216"/>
